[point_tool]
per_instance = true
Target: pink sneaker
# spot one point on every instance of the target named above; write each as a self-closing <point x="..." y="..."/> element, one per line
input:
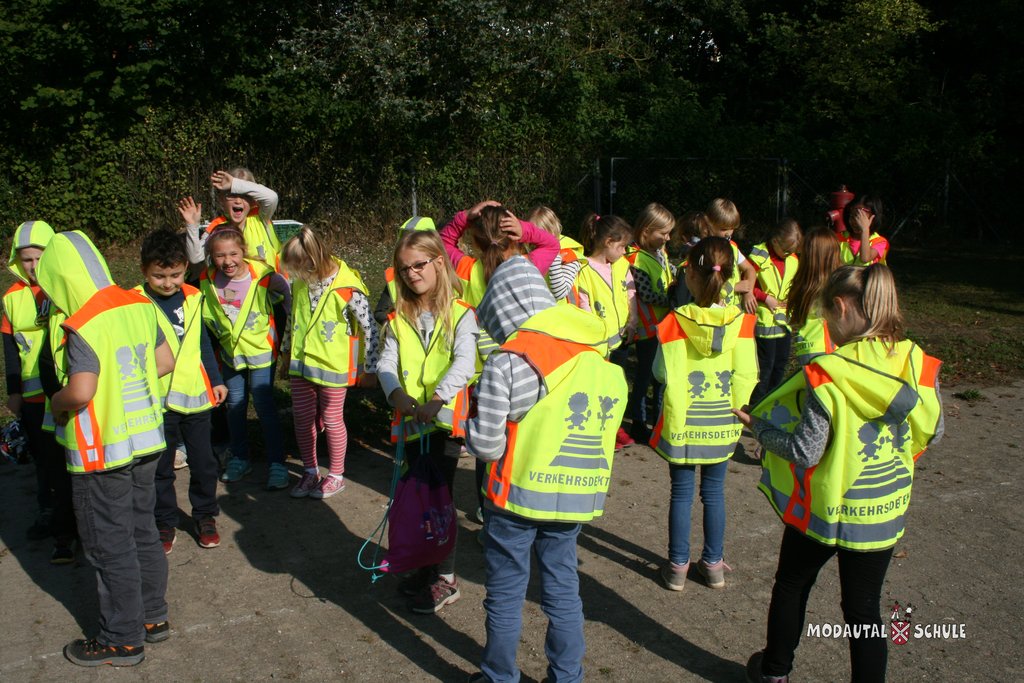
<point x="329" y="485"/>
<point x="306" y="486"/>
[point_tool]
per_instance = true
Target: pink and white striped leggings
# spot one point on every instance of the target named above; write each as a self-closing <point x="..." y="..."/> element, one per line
<point x="315" y="407"/>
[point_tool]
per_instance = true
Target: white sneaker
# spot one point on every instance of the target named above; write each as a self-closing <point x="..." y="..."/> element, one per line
<point x="180" y="459"/>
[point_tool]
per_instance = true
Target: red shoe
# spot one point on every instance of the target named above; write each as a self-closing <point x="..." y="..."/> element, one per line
<point x="167" y="538"/>
<point x="622" y="439"/>
<point x="206" y="529"/>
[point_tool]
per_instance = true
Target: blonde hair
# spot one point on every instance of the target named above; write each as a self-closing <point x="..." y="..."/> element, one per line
<point x="654" y="216"/>
<point x="408" y="303"/>
<point x="721" y="214"/>
<point x="871" y="291"/>
<point x="787" y="231"/>
<point x="545" y="219"/>
<point x="711" y="261"/>
<point x="819" y="258"/>
<point x="307" y="256"/>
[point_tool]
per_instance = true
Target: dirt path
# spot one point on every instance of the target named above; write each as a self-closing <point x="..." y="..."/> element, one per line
<point x="282" y="597"/>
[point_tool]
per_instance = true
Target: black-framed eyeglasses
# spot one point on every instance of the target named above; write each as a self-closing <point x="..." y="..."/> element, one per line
<point x="416" y="267"/>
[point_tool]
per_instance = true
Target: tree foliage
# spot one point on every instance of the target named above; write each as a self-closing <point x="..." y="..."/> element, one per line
<point x="112" y="109"/>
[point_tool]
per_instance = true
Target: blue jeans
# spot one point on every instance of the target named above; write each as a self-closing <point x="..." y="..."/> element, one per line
<point x="508" y="543"/>
<point x="119" y="537"/>
<point x="636" y="409"/>
<point x="259" y="383"/>
<point x="712" y="496"/>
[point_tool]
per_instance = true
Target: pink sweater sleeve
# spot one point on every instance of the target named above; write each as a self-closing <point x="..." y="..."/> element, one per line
<point x="450" y="235"/>
<point x="545" y="246"/>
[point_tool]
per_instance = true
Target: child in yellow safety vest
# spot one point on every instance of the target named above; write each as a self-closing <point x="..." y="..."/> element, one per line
<point x="331" y="330"/>
<point x="722" y="219"/>
<point x="708" y="363"/>
<point x="240" y="297"/>
<point x="841" y="439"/>
<point x="548" y="408"/>
<point x="110" y="422"/>
<point x="190" y="392"/>
<point x="25" y="336"/>
<point x="819" y="258"/>
<point x="777" y="265"/>
<point x="860" y="245"/>
<point x="653" y="276"/>
<point x="559" y="279"/>
<point x="245" y="206"/>
<point x="603" y="285"/>
<point x="428" y="360"/>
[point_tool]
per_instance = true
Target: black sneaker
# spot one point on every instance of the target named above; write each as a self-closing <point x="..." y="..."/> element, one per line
<point x="435" y="596"/>
<point x="167" y="539"/>
<point x="63" y="553"/>
<point x="416" y="581"/>
<point x="754" y="674"/>
<point x="156" y="633"/>
<point x="92" y="653"/>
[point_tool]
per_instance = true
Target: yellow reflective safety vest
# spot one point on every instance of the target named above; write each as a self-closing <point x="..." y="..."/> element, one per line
<point x="772" y="325"/>
<point x="26" y="314"/>
<point x="326" y="344"/>
<point x="55" y="338"/>
<point x="261" y="240"/>
<point x="883" y="411"/>
<point x="251" y="342"/>
<point x="470" y="272"/>
<point x="26" y="311"/>
<point x="851" y="257"/>
<point x="568" y="245"/>
<point x="729" y="296"/>
<point x="124" y="420"/>
<point x="187" y="388"/>
<point x="421" y="370"/>
<point x="610" y="303"/>
<point x="812" y="339"/>
<point x="558" y="459"/>
<point x="710" y="362"/>
<point x="650" y="315"/>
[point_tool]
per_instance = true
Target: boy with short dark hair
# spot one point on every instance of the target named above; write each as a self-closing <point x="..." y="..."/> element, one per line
<point x="110" y="422"/>
<point x="190" y="392"/>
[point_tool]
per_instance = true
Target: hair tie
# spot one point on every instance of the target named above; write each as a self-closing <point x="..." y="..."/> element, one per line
<point x="700" y="261"/>
<point x="716" y="268"/>
<point x="597" y="216"/>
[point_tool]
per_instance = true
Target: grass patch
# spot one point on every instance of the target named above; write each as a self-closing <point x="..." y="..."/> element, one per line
<point x="969" y="395"/>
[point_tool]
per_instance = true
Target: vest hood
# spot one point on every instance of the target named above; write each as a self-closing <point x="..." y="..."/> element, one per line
<point x="415" y="224"/>
<point x="71" y="271"/>
<point x="880" y="394"/>
<point x="709" y="330"/>
<point x="517" y="291"/>
<point x="29" y="234"/>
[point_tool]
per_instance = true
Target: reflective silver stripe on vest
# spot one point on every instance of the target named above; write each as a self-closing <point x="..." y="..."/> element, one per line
<point x="179" y="399"/>
<point x="710" y="414"/>
<point x="122" y="452"/>
<point x="805" y="358"/>
<point x="759" y="252"/>
<point x="315" y="373"/>
<point x="89" y="260"/>
<point x="30" y="386"/>
<point x="696" y="452"/>
<point x="252" y="361"/>
<point x="579" y="463"/>
<point x="845" y="532"/>
<point x="555" y="502"/>
<point x="717" y="337"/>
<point x="769" y="331"/>
<point x="25" y="234"/>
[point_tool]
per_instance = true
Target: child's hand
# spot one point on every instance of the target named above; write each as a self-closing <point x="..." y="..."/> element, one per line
<point x="429" y="410"/>
<point x="511" y="226"/>
<point x="862" y="219"/>
<point x="475" y="211"/>
<point x="771" y="302"/>
<point x="749" y="303"/>
<point x="221" y="180"/>
<point x="742" y="287"/>
<point x="745" y="418"/>
<point x="220" y="394"/>
<point x="403" y="403"/>
<point x="190" y="211"/>
<point x="14" y="403"/>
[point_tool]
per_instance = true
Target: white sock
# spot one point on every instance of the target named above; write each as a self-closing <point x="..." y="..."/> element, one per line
<point x="450" y="578"/>
<point x="340" y="477"/>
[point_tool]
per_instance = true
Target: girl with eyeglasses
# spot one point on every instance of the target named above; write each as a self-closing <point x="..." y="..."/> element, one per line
<point x="331" y="330"/>
<point x="429" y="358"/>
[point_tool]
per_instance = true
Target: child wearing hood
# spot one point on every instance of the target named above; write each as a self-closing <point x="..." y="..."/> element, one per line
<point x="25" y="334"/>
<point x="548" y="409"/>
<point x="708" y="362"/>
<point x="110" y="422"/>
